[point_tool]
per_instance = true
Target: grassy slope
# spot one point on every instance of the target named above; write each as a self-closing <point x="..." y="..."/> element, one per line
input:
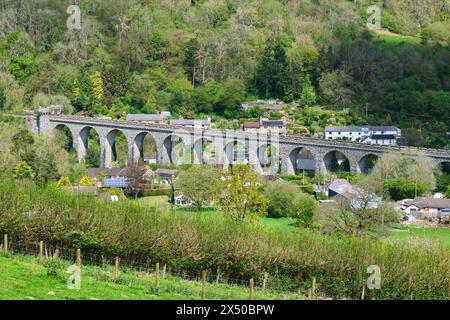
<point x="422" y="233"/>
<point x="23" y="278"/>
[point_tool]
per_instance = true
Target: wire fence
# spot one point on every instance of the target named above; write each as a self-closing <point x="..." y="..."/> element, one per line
<point x="123" y="270"/>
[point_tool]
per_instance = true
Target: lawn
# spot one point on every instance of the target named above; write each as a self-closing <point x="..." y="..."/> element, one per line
<point x="392" y="42"/>
<point x="22" y="278"/>
<point x="423" y="233"/>
<point x="161" y="202"/>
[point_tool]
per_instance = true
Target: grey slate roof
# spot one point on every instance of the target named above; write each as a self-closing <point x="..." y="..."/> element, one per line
<point x="190" y="122"/>
<point x="359" y="128"/>
<point x="382" y="137"/>
<point x="422" y="202"/>
<point x="145" y="117"/>
<point x="273" y="123"/>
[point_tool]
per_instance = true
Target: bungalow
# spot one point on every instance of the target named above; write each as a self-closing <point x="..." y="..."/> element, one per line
<point x="427" y="208"/>
<point x="342" y="188"/>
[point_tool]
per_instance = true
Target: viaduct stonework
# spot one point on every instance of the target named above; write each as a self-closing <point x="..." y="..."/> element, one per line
<point x="266" y="154"/>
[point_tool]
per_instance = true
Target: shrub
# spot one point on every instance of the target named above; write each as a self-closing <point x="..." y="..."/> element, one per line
<point x="193" y="242"/>
<point x="304" y="207"/>
<point x="156" y="192"/>
<point x="55" y="268"/>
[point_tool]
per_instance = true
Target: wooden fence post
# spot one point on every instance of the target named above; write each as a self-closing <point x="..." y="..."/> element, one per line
<point x="41" y="250"/>
<point x="218" y="275"/>
<point x="116" y="271"/>
<point x="5" y="243"/>
<point x="363" y="292"/>
<point x="203" y="285"/>
<point x="78" y="258"/>
<point x="309" y="294"/>
<point x="164" y="271"/>
<point x="157" y="275"/>
<point x="251" y="289"/>
<point x="314" y="288"/>
<point x="266" y="275"/>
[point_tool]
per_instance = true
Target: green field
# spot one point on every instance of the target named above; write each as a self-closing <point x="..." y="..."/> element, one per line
<point x="21" y="278"/>
<point x="422" y="233"/>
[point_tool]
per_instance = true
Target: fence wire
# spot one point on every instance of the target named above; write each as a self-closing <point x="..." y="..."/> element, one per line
<point x="106" y="264"/>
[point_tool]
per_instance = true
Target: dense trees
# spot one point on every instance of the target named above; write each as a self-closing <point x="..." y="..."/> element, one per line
<point x="208" y="56"/>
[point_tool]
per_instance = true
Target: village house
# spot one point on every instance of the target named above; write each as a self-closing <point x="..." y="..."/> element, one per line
<point x="265" y="126"/>
<point x="382" y="135"/>
<point x="427" y="207"/>
<point x="341" y="188"/>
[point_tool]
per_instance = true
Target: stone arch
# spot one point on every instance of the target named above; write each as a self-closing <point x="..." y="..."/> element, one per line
<point x="445" y="166"/>
<point x="178" y="148"/>
<point x="144" y="148"/>
<point x="205" y="151"/>
<point x="367" y="162"/>
<point x="89" y="146"/>
<point x="116" y="148"/>
<point x="302" y="159"/>
<point x="336" y="161"/>
<point x="268" y="158"/>
<point x="237" y="152"/>
<point x="68" y="134"/>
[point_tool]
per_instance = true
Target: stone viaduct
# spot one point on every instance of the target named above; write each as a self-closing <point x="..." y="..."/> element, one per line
<point x="266" y="154"/>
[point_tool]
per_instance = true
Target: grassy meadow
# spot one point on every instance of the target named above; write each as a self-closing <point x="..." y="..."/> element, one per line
<point x="22" y="278"/>
<point x="191" y="241"/>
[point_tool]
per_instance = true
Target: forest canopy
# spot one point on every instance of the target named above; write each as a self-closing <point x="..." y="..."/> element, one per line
<point x="195" y="57"/>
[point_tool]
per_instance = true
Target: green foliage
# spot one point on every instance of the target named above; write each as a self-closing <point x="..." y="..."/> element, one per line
<point x="23" y="171"/>
<point x="55" y="268"/>
<point x="2" y="98"/>
<point x="205" y="241"/>
<point x="400" y="189"/>
<point x="199" y="183"/>
<point x="64" y="181"/>
<point x="22" y="68"/>
<point x="238" y="194"/>
<point x="305" y="208"/>
<point x="86" y="182"/>
<point x="280" y="196"/>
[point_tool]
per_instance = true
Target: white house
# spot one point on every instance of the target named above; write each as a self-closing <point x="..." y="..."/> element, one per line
<point x="183" y="201"/>
<point x="384" y="135"/>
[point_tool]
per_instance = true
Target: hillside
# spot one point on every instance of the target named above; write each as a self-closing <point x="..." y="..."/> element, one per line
<point x="207" y="56"/>
<point x="24" y="279"/>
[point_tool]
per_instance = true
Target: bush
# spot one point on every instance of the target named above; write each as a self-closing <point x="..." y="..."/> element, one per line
<point x="193" y="242"/>
<point x="157" y="192"/>
<point x="305" y="207"/>
<point x="55" y="268"/>
<point x="402" y="189"/>
<point x="280" y="195"/>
